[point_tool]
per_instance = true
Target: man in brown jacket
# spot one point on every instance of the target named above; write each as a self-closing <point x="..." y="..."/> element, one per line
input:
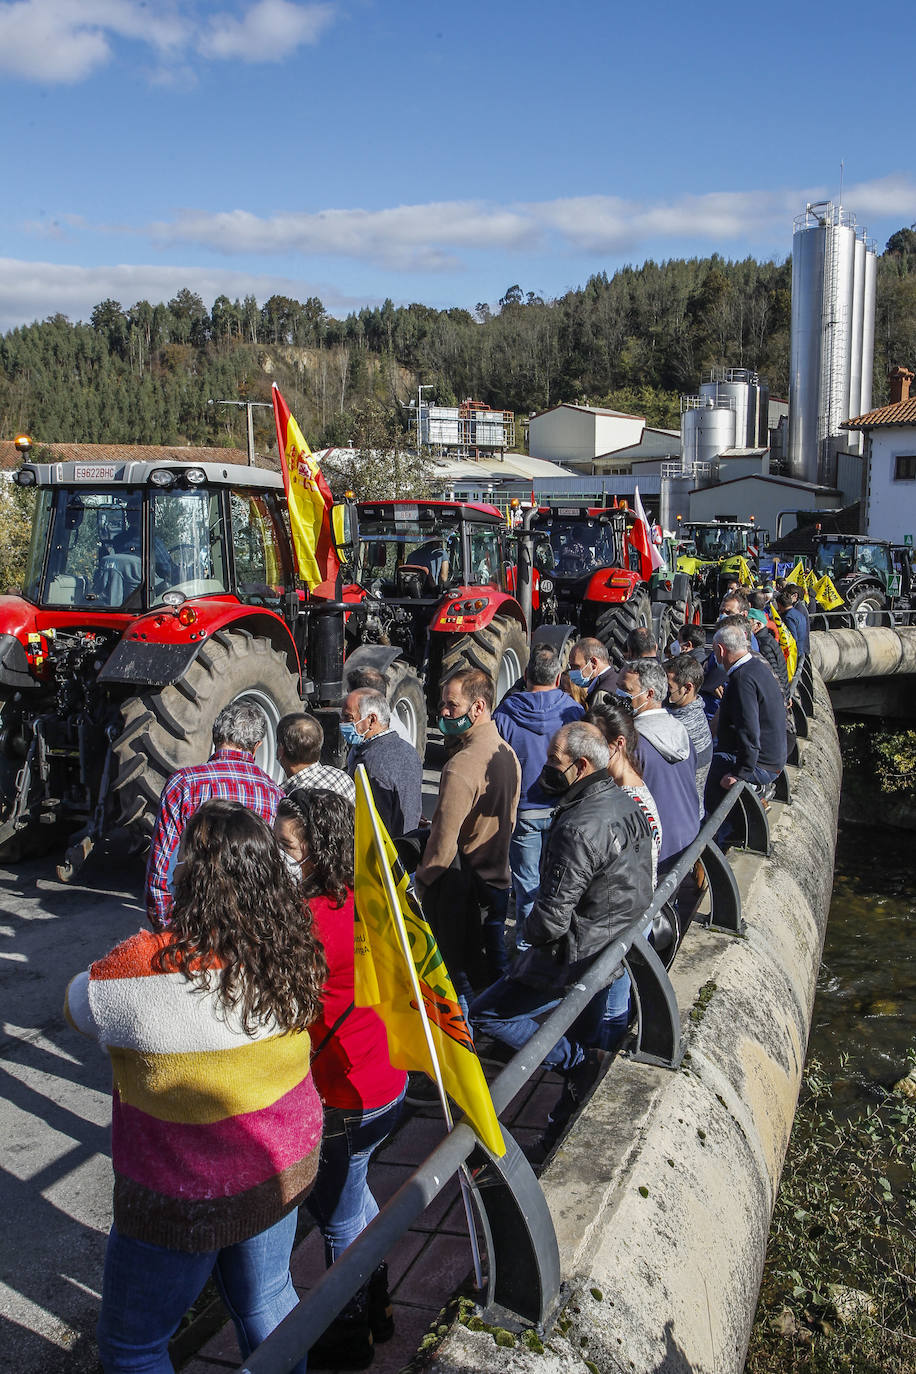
<point x="474" y="817"/>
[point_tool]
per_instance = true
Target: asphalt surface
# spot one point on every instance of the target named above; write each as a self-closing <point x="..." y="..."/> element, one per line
<point x="55" y="1109"/>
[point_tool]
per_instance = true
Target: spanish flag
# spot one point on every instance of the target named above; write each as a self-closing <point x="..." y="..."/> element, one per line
<point x="398" y="969"/>
<point x="309" y="499"/>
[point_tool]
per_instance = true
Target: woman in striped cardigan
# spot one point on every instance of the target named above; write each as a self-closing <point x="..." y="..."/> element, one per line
<point x="216" y="1123"/>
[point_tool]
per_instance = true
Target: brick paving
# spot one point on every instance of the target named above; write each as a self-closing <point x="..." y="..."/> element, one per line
<point x="432" y="1259"/>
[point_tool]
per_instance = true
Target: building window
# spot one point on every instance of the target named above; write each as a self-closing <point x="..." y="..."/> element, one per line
<point x="905" y="467"/>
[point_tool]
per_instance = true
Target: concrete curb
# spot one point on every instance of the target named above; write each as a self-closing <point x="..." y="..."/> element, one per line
<point x="662" y="1194"/>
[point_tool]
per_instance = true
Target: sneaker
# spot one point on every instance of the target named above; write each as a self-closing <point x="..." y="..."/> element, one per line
<point x="582" y="1080"/>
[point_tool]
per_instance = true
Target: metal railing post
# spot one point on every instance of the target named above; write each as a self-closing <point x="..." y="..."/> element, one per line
<point x="658" y="1025"/>
<point x="724" y="896"/>
<point x="756" y="827"/>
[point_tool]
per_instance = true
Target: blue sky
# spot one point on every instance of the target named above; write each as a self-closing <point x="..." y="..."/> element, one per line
<point x="358" y="149"/>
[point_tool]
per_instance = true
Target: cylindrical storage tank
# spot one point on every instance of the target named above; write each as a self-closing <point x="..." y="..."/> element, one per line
<point x="868" y="326"/>
<point x="838" y="321"/>
<point x="854" y="440"/>
<point x="763" y="413"/>
<point x="706" y="432"/>
<point x="735" y="394"/>
<point x="808" y="243"/>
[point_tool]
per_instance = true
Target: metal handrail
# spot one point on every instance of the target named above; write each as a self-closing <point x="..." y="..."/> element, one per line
<point x="524" y="1260"/>
<point x="891" y="618"/>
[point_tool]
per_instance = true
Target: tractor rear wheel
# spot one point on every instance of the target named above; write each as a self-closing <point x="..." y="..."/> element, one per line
<point x="499" y="648"/>
<point x="171" y="727"/>
<point x="614" y="624"/>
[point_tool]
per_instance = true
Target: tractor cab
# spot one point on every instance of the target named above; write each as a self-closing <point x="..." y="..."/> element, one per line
<point x="719" y="540"/>
<point x="573" y="545"/>
<point x="440" y="581"/>
<point x="847" y="557"/>
<point x="122" y="539"/>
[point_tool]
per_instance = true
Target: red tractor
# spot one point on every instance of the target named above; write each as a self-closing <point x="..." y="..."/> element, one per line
<point x="590" y="572"/>
<point x="156" y="594"/>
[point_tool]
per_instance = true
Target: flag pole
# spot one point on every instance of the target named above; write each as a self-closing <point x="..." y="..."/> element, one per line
<point x="394" y="910"/>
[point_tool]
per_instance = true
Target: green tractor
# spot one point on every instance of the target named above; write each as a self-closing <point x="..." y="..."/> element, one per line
<point x="718" y="552"/>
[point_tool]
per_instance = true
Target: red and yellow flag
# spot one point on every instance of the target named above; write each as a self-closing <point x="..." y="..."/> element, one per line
<point x="309" y="499"/>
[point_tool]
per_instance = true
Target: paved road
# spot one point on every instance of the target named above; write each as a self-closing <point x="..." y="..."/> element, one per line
<point x="55" y="1107"/>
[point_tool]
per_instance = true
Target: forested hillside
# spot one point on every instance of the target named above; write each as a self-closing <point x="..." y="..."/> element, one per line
<point x="636" y="340"/>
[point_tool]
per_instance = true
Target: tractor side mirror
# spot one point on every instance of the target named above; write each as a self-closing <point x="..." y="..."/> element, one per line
<point x="342" y="530"/>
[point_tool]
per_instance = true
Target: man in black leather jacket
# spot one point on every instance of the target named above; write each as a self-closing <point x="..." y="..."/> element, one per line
<point x="596" y="879"/>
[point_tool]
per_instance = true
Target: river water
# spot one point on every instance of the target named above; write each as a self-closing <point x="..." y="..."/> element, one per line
<point x="866" y="995"/>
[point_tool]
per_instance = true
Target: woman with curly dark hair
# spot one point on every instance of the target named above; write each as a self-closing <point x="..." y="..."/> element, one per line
<point x="360" y="1090"/>
<point x="216" y="1122"/>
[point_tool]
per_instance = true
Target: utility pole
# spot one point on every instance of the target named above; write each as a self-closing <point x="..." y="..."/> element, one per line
<point x="249" y="407"/>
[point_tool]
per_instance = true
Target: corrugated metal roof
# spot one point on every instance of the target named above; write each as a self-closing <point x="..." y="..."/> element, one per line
<point x="590" y="410"/>
<point x="902" y="413"/>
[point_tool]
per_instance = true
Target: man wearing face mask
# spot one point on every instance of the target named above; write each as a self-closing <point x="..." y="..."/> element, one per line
<point x="590" y="669"/>
<point x="596" y="879"/>
<point x="394" y="767"/>
<point x="475" y="813"/>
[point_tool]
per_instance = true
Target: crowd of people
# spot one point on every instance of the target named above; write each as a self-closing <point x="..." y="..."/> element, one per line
<point x="247" y="1083"/>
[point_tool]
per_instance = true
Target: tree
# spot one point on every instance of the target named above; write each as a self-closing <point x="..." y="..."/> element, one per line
<point x="377" y="467"/>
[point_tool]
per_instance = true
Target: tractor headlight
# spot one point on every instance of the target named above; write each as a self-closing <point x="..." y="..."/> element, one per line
<point x="25" y="477"/>
<point x="162" y="477"/>
<point x="195" y="476"/>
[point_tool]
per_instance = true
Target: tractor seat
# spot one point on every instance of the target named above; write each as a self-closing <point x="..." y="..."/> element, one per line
<point x="414" y="581"/>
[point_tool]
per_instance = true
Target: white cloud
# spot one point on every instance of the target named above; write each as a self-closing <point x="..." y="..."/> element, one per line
<point x="34" y="290"/>
<point x="433" y="237"/>
<point x="55" y="42"/>
<point x="268" y="32"/>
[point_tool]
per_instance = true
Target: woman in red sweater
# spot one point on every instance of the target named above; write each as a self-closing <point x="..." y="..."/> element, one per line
<point x="361" y="1092"/>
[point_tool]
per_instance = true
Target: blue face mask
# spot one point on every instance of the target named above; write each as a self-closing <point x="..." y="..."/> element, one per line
<point x="455" y="725"/>
<point x="577" y="677"/>
<point x="350" y="733"/>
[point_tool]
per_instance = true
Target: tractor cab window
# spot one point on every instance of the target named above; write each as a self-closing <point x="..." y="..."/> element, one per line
<point x="873" y="558"/>
<point x="187" y="544"/>
<point x="486" y="569"/>
<point x="720" y="542"/>
<point x="95" y="550"/>
<point x="260" y="570"/>
<point x="582" y="546"/>
<point x="403" y="556"/>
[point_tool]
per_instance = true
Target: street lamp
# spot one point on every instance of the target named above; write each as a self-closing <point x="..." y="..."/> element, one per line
<point x="249" y="407"/>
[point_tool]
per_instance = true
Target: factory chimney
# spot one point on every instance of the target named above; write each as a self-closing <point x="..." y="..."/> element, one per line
<point x="900" y="379"/>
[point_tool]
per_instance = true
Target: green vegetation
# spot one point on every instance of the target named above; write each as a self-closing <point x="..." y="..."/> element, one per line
<point x="839" y="1285"/>
<point x="633" y="341"/>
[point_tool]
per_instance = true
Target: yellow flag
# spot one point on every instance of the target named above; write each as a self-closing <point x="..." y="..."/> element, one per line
<point x="797" y="575"/>
<point x="826" y="594"/>
<point x="383" y="979"/>
<point x="786" y="642"/>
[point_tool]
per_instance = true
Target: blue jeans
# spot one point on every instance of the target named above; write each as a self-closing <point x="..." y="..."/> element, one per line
<point x="525" y="862"/>
<point x="616" y="1013"/>
<point x="511" y="1011"/>
<point x="341" y="1201"/>
<point x="146" y="1290"/>
<point x="494" y="904"/>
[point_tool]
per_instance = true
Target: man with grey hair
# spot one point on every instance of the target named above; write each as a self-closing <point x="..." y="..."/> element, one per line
<point x="596" y="879"/>
<point x="394" y="767"/>
<point x="229" y="772"/>
<point x="751" y="735"/>
<point x="666" y="755"/>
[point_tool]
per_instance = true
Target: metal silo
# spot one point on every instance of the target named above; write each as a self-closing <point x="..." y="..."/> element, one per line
<point x="854" y="441"/>
<point x="868" y="325"/>
<point x="743" y="390"/>
<point x="706" y="429"/>
<point x="823" y="289"/>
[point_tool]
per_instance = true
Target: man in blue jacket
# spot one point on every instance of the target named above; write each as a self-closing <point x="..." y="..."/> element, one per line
<point x="751" y="737"/>
<point x="528" y="721"/>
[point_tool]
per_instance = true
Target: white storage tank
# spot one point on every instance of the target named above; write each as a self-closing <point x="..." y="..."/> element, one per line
<point x="707" y="429"/>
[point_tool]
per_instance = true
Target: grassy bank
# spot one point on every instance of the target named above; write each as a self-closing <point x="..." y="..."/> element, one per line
<point x="839" y="1285"/>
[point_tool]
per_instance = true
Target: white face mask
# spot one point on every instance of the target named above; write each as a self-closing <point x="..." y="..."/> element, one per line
<point x="294" y="866"/>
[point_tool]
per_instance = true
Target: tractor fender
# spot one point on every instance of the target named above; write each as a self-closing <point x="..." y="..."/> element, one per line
<point x="157" y="650"/>
<point x="456" y="613"/>
<point x="613" y="585"/>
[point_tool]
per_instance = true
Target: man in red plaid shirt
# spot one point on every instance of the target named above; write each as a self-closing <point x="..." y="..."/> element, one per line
<point x="229" y="772"/>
